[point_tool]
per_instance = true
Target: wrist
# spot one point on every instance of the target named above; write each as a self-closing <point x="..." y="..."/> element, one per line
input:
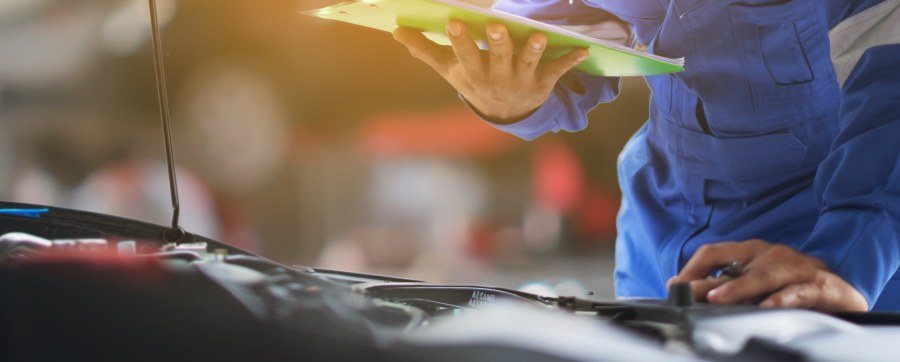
<point x="501" y="117"/>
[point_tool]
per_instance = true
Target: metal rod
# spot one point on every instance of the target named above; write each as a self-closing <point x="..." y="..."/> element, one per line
<point x="176" y="233"/>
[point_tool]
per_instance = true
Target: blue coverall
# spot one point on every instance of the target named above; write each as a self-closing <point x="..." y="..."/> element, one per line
<point x="784" y="127"/>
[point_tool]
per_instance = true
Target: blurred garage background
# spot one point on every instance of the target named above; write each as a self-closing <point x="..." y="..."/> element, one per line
<point x="310" y="142"/>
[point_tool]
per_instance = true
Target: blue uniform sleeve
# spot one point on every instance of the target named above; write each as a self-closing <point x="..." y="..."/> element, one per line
<point x="576" y="93"/>
<point x="858" y="183"/>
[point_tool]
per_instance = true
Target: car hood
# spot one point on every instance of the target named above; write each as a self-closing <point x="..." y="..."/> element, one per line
<point x="87" y="284"/>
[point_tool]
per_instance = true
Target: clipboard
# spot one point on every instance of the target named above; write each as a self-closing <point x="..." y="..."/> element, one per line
<point x="607" y="58"/>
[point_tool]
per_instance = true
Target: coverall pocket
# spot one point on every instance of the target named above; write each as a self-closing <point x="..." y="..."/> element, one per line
<point x="731" y="159"/>
<point x="782" y="48"/>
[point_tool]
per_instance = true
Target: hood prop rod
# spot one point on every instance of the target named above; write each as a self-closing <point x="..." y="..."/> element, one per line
<point x="175" y="234"/>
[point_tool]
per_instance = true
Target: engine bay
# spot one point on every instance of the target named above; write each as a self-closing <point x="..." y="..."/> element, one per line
<point x="105" y="288"/>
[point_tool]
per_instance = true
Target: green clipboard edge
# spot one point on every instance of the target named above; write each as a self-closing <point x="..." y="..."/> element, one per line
<point x="431" y="16"/>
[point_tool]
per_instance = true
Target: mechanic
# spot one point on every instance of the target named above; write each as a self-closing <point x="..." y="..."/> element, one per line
<point x="776" y="151"/>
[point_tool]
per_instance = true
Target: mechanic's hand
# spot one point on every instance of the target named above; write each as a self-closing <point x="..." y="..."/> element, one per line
<point x="502" y="86"/>
<point x="773" y="275"/>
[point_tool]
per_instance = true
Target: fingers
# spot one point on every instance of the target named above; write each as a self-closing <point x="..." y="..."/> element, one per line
<point x="702" y="287"/>
<point x="713" y="256"/>
<point x="775" y="275"/>
<point x="531" y="53"/>
<point x="464" y="47"/>
<point x="555" y="69"/>
<point x="795" y="296"/>
<point x="500" y="84"/>
<point x="827" y="293"/>
<point x="501" y="53"/>
<point x="501" y="65"/>
<point x="762" y="279"/>
<point x="425" y="50"/>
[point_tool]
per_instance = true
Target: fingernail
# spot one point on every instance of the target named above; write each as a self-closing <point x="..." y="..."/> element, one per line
<point x="712" y="295"/>
<point x="767" y="304"/>
<point x="537" y="46"/>
<point x="454" y="29"/>
<point x="495" y="35"/>
<point x="582" y="57"/>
